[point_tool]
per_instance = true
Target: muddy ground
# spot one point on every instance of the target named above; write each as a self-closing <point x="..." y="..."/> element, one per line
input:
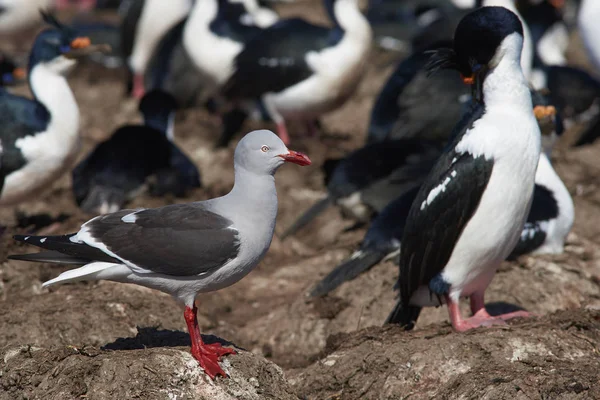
<point x="101" y="340"/>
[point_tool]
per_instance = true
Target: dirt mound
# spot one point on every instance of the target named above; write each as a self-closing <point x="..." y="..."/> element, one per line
<point x="68" y="372"/>
<point x="554" y="357"/>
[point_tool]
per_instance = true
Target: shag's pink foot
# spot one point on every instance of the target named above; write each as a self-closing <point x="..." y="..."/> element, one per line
<point x="479" y="318"/>
<point x="476" y="322"/>
<point x="283" y="133"/>
<point x="208" y="355"/>
<point x="138" y="90"/>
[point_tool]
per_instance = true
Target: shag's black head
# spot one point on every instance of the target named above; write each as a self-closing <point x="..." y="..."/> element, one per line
<point x="60" y="40"/>
<point x="157" y="107"/>
<point x="157" y="101"/>
<point x="476" y="41"/>
<point x="479" y="35"/>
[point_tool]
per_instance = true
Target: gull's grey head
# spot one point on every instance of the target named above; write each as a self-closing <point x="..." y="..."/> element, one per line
<point x="262" y="152"/>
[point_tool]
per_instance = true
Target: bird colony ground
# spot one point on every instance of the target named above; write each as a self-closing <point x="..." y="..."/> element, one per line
<point x="104" y="340"/>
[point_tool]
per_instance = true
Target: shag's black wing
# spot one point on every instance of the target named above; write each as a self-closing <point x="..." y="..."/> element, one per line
<point x="275" y="59"/>
<point x="435" y="222"/>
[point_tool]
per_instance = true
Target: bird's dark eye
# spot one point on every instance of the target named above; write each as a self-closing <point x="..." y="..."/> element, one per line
<point x="265" y="148"/>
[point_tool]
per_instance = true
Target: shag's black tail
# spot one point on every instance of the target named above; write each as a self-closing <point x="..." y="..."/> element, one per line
<point x="360" y="261"/>
<point x="404" y="315"/>
<point x="308" y="216"/>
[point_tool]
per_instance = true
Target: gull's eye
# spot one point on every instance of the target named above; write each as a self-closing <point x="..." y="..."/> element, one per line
<point x="265" y="148"/>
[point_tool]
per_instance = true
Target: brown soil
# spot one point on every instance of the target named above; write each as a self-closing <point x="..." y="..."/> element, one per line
<point x="72" y="341"/>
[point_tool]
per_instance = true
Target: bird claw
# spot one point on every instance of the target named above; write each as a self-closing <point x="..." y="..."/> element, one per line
<point x="482" y="318"/>
<point x="209" y="355"/>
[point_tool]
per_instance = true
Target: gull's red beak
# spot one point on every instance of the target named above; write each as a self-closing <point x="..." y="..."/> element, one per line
<point x="296" y="158"/>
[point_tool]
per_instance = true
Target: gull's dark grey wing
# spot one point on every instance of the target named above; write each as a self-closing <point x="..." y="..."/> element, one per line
<point x="177" y="240"/>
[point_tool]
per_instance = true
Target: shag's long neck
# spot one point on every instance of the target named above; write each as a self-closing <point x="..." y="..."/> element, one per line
<point x="52" y="90"/>
<point x="201" y="15"/>
<point x="505" y="84"/>
<point x="346" y="16"/>
<point x="163" y="121"/>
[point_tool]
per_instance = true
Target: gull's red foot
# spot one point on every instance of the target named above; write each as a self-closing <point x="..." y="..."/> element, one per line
<point x="219" y="350"/>
<point x="208" y="355"/>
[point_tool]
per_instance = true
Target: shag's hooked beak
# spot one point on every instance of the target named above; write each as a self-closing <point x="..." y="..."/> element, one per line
<point x="475" y="81"/>
<point x="296" y="158"/>
<point x="82" y="46"/>
<point x="545" y="117"/>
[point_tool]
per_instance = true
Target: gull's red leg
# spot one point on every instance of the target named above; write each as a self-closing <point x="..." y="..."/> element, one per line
<point x="208" y="355"/>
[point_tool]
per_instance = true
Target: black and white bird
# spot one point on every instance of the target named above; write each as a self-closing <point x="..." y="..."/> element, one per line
<point x="301" y="71"/>
<point x="174" y="70"/>
<point x="470" y="211"/>
<point x="144" y="24"/>
<point x="17" y="15"/>
<point x="369" y="178"/>
<point x="215" y="33"/>
<point x="587" y="22"/>
<point x="119" y="168"/>
<point x="39" y="138"/>
<point x="182" y="249"/>
<point x="549" y="220"/>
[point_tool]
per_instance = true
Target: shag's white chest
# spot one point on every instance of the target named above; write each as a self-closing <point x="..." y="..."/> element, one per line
<point x="510" y="137"/>
<point x="49" y="153"/>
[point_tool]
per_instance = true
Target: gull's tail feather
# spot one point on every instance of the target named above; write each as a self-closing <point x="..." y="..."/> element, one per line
<point x="308" y="216"/>
<point x="49" y="257"/>
<point x="90" y="272"/>
<point x="361" y="261"/>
